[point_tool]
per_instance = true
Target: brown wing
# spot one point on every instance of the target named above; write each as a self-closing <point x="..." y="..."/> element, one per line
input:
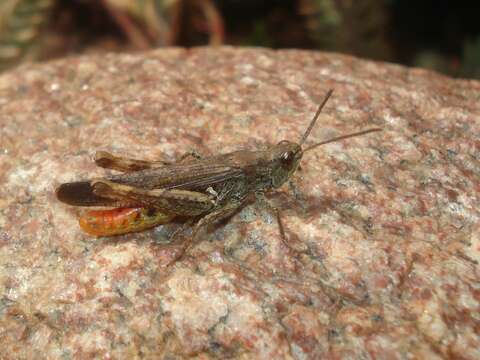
<point x="81" y="193"/>
<point x="192" y="176"/>
<point x="196" y="177"/>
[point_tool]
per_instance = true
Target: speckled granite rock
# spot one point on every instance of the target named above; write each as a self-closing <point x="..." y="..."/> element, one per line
<point x="386" y="226"/>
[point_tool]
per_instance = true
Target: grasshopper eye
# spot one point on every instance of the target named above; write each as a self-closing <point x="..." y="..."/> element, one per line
<point x="287" y="157"/>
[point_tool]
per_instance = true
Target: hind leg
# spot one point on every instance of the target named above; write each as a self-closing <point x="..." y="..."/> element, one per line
<point x="108" y="161"/>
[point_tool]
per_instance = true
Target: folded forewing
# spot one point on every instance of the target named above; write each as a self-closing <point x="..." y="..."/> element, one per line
<point x="181" y="176"/>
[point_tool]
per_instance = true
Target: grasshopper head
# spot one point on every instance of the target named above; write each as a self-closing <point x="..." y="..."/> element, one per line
<point x="287" y="154"/>
<point x="286" y="158"/>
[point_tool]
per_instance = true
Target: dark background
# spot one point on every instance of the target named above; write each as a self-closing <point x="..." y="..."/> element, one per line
<point x="437" y="34"/>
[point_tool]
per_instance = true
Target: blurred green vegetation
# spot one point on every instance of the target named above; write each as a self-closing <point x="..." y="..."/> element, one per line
<point x="437" y="34"/>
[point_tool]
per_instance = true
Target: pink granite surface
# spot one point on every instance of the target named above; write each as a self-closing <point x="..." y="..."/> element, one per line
<point x="386" y="226"/>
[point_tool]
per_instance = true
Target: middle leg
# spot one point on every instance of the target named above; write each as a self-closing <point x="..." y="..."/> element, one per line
<point x="216" y="215"/>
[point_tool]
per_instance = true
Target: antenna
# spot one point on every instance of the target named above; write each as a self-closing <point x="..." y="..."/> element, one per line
<point x="314" y="120"/>
<point x="342" y="137"/>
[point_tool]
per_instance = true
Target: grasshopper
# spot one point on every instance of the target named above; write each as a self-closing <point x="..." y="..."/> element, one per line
<point x="206" y="189"/>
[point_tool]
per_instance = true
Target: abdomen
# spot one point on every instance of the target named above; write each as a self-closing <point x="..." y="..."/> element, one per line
<point x="121" y="220"/>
